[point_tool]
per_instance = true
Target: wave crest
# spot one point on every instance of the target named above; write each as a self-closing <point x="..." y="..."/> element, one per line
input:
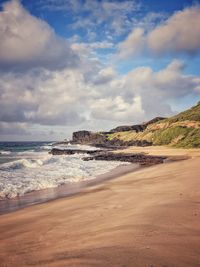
<point x="22" y="163"/>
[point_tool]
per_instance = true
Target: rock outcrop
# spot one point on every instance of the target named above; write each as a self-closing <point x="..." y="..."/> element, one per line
<point x="137" y="128"/>
<point x="181" y="130"/>
<point x="125" y="128"/>
<point x="87" y="137"/>
<point x="156" y="119"/>
<point x="142" y="159"/>
<point x="101" y="140"/>
<point x="57" y="151"/>
<point x="107" y="155"/>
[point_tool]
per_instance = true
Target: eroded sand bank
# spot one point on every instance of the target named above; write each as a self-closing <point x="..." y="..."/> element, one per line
<point x="147" y="218"/>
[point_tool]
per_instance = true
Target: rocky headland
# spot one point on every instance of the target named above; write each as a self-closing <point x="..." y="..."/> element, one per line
<point x="181" y="130"/>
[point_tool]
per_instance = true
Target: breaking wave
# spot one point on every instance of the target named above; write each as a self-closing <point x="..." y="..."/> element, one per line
<point x="5" y="152"/>
<point x="40" y="170"/>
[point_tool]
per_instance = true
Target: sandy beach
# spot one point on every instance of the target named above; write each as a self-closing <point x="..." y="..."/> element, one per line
<point x="147" y="218"/>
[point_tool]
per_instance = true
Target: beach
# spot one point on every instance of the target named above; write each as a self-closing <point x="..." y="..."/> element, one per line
<point x="149" y="217"/>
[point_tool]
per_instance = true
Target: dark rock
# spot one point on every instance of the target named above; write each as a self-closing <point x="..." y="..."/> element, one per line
<point x="56" y="151"/>
<point x="109" y="146"/>
<point x="137" y="128"/>
<point x="80" y="135"/>
<point x="87" y="137"/>
<point x="100" y="138"/>
<point x="61" y="143"/>
<point x="125" y="128"/>
<point x="142" y="159"/>
<point x="156" y="119"/>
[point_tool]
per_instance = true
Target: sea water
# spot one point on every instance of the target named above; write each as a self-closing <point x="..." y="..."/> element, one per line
<point x="28" y="166"/>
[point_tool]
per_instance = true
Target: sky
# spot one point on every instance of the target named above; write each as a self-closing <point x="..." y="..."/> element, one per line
<point x="68" y="65"/>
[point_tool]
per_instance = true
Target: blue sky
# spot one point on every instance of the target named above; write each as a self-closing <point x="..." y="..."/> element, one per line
<point x="67" y="65"/>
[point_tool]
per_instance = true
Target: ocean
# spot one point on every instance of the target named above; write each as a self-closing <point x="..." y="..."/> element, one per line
<point x="27" y="166"/>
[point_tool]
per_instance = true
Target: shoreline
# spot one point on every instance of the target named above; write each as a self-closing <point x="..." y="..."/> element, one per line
<point x="146" y="218"/>
<point x="70" y="189"/>
<point x="66" y="190"/>
<point x="138" y="161"/>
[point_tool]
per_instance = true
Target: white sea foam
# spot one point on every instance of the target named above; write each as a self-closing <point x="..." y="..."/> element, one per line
<point x="27" y="153"/>
<point x="41" y="170"/>
<point x="47" y="147"/>
<point x="21" y="164"/>
<point x="5" y="152"/>
<point x="71" y="146"/>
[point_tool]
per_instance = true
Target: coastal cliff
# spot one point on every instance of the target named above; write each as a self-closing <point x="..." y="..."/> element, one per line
<point x="87" y="137"/>
<point x="181" y="130"/>
<point x="102" y="139"/>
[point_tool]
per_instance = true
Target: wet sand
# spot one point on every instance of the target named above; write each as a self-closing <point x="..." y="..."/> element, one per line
<point x="150" y="217"/>
<point x="65" y="190"/>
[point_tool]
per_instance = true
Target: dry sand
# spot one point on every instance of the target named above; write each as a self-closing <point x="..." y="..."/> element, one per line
<point x="150" y="217"/>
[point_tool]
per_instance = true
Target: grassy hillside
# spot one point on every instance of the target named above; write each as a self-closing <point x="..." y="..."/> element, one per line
<point x="181" y="130"/>
<point x="192" y="114"/>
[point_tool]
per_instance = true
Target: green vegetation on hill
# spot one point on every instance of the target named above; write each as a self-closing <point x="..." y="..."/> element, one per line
<point x="181" y="130"/>
<point x="192" y="114"/>
<point x="177" y="136"/>
<point x="191" y="140"/>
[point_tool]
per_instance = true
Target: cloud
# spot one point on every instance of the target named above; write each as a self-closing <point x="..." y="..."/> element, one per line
<point x="59" y="5"/>
<point x="133" y="44"/>
<point x="45" y="97"/>
<point x="75" y="99"/>
<point x="89" y="49"/>
<point x="51" y="92"/>
<point x="118" y="109"/>
<point x="27" y="41"/>
<point x="143" y="94"/>
<point x="178" y="34"/>
<point x="110" y="17"/>
<point x="104" y="76"/>
<point x="13" y="128"/>
<point x="149" y="20"/>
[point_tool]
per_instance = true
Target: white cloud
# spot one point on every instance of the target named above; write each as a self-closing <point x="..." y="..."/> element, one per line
<point x="104" y="76"/>
<point x="89" y="48"/>
<point x="27" y="41"/>
<point x="111" y="17"/>
<point x="15" y="128"/>
<point x="149" y="20"/>
<point x="48" y="97"/>
<point x="133" y="45"/>
<point x="118" y="109"/>
<point x="197" y="81"/>
<point x="143" y="94"/>
<point x="67" y="98"/>
<point x="178" y="34"/>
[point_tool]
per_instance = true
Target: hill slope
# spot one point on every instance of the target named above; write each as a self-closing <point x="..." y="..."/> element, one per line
<point x="181" y="130"/>
<point x="192" y="114"/>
